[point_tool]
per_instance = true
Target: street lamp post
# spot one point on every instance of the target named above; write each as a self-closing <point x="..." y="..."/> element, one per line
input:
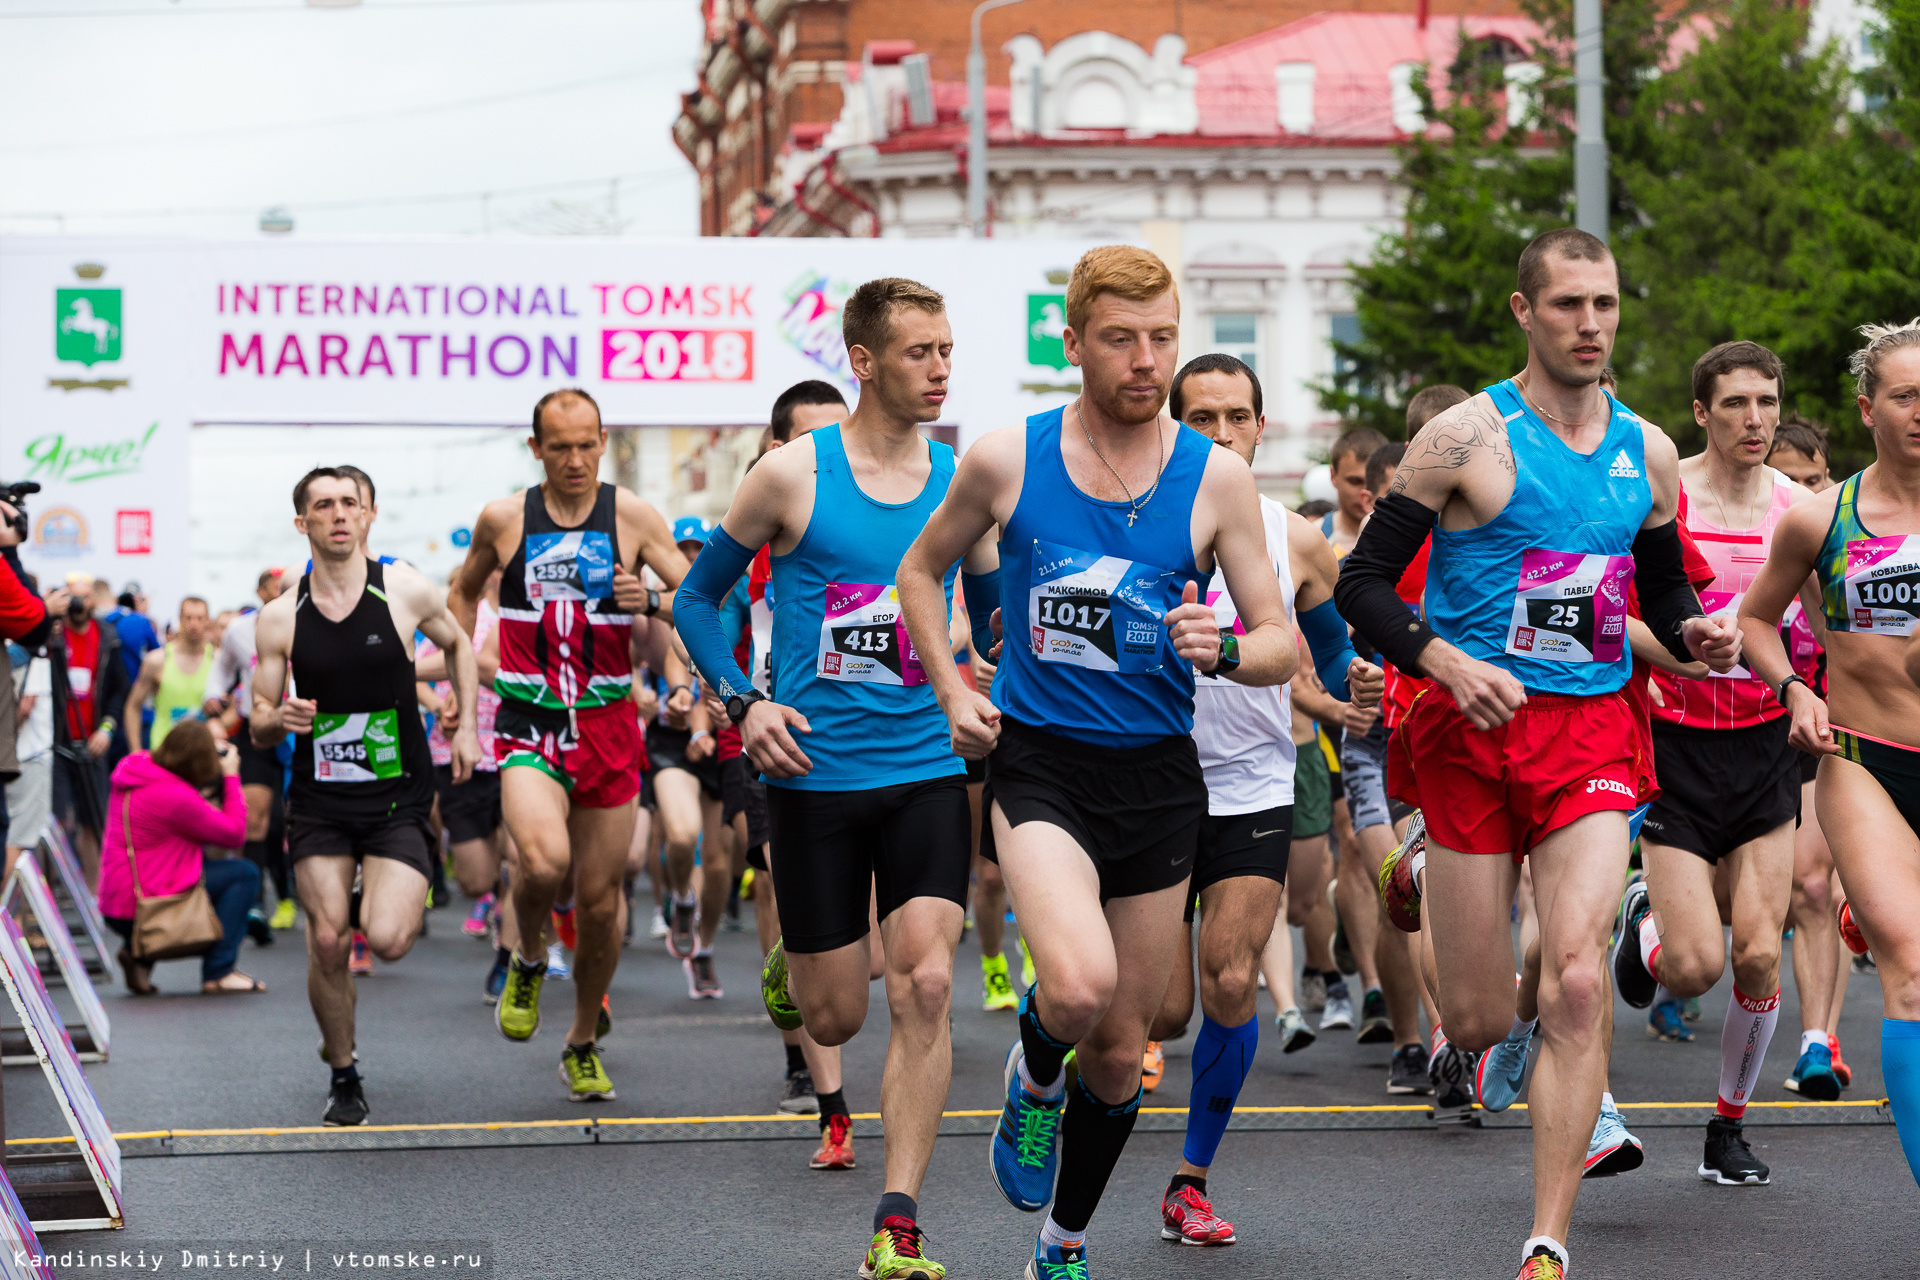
<point x="977" y="124"/>
<point x="1590" y="143"/>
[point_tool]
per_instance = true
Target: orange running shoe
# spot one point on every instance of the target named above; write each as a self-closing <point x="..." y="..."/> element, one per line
<point x="1841" y="1070"/>
<point x="1152" y="1067"/>
<point x="360" y="956"/>
<point x="836" y="1145"/>
<point x="563" y="926"/>
<point x="1543" y="1265"/>
<point x="1850" y="931"/>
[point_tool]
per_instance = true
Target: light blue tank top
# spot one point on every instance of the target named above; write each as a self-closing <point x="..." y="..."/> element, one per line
<point x="841" y="656"/>
<point x="1541" y="589"/>
<point x="1082" y="596"/>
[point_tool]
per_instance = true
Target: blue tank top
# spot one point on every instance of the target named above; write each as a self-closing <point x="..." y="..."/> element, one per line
<point x="1082" y="595"/>
<point x="841" y="656"/>
<point x="1541" y="589"/>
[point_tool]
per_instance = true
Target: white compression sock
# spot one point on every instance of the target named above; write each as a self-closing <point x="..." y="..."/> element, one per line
<point x="1649" y="945"/>
<point x="1052" y="1234"/>
<point x="1743" y="1045"/>
<point x="1814" y="1039"/>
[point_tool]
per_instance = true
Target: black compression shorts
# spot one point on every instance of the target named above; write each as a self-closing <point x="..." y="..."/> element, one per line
<point x="741" y="791"/>
<point x="1136" y="812"/>
<point x="906" y="841"/>
<point x="667" y="749"/>
<point x="1242" y="844"/>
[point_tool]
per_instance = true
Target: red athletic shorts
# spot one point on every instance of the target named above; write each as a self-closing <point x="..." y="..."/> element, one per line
<point x="1503" y="790"/>
<point x="597" y="755"/>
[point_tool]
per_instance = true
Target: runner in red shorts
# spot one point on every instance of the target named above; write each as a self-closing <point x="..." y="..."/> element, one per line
<point x="1546" y="498"/>
<point x="566" y="734"/>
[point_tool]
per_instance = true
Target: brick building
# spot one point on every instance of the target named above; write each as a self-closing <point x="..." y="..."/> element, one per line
<point x="1251" y="145"/>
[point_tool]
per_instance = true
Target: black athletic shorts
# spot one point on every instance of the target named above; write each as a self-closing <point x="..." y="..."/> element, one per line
<point x="1242" y="844"/>
<point x="906" y="841"/>
<point x="741" y="791"/>
<point x="1809" y="768"/>
<point x="1136" y="811"/>
<point x="471" y="810"/>
<point x="976" y="771"/>
<point x="401" y="837"/>
<point x="258" y="767"/>
<point x="1720" y="788"/>
<point x="667" y="749"/>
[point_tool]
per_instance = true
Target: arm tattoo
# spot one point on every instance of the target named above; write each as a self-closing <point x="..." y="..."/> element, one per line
<point x="1451" y="445"/>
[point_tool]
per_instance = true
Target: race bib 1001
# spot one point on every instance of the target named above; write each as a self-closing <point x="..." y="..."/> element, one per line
<point x="361" y="746"/>
<point x="1570" y="607"/>
<point x="569" y="566"/>
<point x="863" y="639"/>
<point x="1883" y="584"/>
<point x="1098" y="612"/>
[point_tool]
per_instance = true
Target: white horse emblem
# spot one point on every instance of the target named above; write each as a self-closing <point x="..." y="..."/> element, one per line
<point x="82" y="320"/>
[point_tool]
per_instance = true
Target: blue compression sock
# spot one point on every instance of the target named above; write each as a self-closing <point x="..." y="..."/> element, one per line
<point x="1222" y="1056"/>
<point x="1900" y="1066"/>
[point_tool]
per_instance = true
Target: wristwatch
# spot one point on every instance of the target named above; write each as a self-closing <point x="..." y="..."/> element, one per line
<point x="1229" y="655"/>
<point x="653" y="603"/>
<point x="737" y="705"/>
<point x="1781" y="692"/>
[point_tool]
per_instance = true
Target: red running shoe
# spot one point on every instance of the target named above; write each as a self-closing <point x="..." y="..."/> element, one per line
<point x="563" y="926"/>
<point x="1841" y="1070"/>
<point x="1188" y="1216"/>
<point x="1849" y="931"/>
<point x="836" y="1145"/>
<point x="360" y="956"/>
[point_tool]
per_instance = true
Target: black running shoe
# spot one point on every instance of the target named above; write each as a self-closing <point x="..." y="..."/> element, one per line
<point x="346" y="1104"/>
<point x="258" y="929"/>
<point x="1408" y="1074"/>
<point x="1375" y="1026"/>
<point x="1451" y="1073"/>
<point x="1730" y="1161"/>
<point x="1631" y="977"/>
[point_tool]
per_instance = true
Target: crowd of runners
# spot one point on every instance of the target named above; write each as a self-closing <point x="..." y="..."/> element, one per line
<point x="1529" y="716"/>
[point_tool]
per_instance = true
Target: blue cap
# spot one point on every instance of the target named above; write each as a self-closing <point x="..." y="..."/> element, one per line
<point x="691" y="529"/>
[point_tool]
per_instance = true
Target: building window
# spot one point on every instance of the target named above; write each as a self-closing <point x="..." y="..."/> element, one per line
<point x="1237" y="333"/>
<point x="1345" y="328"/>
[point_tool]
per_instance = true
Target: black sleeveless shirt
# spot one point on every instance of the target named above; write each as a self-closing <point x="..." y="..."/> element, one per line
<point x="367" y="757"/>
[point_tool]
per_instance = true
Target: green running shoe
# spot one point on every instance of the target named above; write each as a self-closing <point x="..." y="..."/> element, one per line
<point x="282" y="915"/>
<point x="773" y="989"/>
<point x="895" y="1254"/>
<point x="1026" y="965"/>
<point x="998" y="986"/>
<point x="586" y="1078"/>
<point x="518" y="1013"/>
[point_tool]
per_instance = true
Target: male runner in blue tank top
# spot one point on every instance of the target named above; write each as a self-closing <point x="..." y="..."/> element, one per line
<point x="1111" y="519"/>
<point x="863" y="787"/>
<point x="1544" y="497"/>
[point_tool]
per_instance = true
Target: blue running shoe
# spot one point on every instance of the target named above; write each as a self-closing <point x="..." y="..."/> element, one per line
<point x="1502" y="1072"/>
<point x="1813" y="1076"/>
<point x="1612" y="1149"/>
<point x="1058" y="1262"/>
<point x="1665" y="1023"/>
<point x="1025" y="1153"/>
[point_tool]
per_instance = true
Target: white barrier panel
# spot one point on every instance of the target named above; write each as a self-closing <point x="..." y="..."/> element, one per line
<point x="54" y="1051"/>
<point x="73" y="971"/>
<point x="20" y="1256"/>
<point x="72" y="879"/>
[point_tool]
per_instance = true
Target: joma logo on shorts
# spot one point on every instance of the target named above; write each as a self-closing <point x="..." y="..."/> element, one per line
<point x="1608" y="784"/>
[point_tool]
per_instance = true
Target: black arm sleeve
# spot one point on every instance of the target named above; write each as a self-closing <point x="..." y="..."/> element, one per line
<point x="1667" y="599"/>
<point x="1365" y="589"/>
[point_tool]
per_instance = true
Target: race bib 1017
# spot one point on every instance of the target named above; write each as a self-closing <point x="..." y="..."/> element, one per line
<point x="361" y="746"/>
<point x="1883" y="584"/>
<point x="569" y="566"/>
<point x="1101" y="613"/>
<point x="862" y="637"/>
<point x="1570" y="607"/>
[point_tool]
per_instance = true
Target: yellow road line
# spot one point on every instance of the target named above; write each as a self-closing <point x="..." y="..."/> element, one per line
<point x="607" y="1122"/>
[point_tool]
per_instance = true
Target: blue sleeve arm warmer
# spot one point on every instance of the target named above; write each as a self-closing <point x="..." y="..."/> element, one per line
<point x="1326" y="633"/>
<point x="982" y="593"/>
<point x="696" y="612"/>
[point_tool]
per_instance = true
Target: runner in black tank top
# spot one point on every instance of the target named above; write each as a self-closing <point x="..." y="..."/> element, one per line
<point x="366" y="765"/>
<point x="362" y="791"/>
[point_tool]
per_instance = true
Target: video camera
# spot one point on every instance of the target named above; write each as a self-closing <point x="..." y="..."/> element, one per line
<point x="16" y="494"/>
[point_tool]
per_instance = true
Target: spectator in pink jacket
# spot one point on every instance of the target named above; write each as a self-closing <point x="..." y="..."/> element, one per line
<point x="160" y="793"/>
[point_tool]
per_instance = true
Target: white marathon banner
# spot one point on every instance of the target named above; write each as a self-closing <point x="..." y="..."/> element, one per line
<point x="112" y="350"/>
<point x="29" y="886"/>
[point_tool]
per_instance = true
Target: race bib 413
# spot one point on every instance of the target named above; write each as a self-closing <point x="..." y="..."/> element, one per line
<point x="863" y="639"/>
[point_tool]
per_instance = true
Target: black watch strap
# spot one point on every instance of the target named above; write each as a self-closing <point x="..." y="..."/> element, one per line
<point x="1789" y="682"/>
<point x="1229" y="659"/>
<point x="737" y="705"/>
<point x="653" y="602"/>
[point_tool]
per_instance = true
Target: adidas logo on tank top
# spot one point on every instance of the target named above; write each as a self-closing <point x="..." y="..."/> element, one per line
<point x="1623" y="468"/>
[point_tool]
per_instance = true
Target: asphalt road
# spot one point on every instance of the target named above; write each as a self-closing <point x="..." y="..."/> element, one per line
<point x="1327" y="1201"/>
